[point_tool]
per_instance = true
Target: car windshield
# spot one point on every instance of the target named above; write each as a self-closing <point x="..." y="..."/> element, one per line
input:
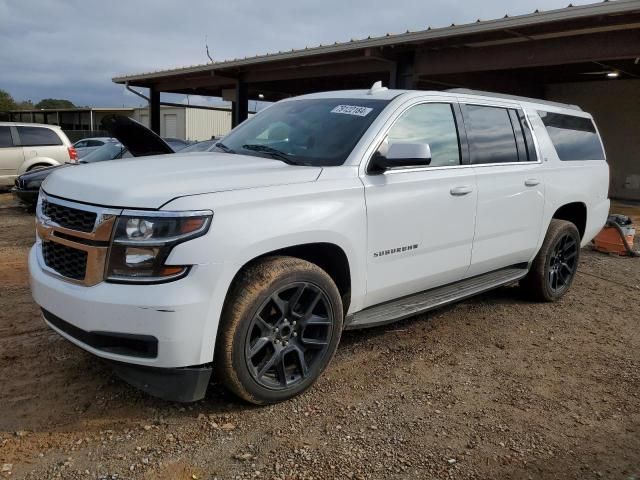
<point x="108" y="151"/>
<point x="318" y="132"/>
<point x="176" y="144"/>
<point x="204" y="146"/>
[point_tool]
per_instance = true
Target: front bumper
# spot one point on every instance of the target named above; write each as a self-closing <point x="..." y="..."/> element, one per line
<point x="174" y="315"/>
<point x="29" y="197"/>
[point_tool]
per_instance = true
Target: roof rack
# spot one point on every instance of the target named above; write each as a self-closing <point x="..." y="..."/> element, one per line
<point x="468" y="91"/>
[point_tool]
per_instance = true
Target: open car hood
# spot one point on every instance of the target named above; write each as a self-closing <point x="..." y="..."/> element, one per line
<point x="138" y="139"/>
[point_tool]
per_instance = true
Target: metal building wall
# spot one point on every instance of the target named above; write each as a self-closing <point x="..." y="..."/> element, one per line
<point x="142" y="116"/>
<point x="203" y="124"/>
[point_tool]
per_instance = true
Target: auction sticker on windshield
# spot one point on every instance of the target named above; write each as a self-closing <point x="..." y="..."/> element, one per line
<point x="352" y="110"/>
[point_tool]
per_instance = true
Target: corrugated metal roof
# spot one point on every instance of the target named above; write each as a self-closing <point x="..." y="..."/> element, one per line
<point x="606" y="7"/>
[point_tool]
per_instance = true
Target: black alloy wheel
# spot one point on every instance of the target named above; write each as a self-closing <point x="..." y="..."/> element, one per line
<point x="554" y="268"/>
<point x="280" y="327"/>
<point x="563" y="263"/>
<point x="288" y="335"/>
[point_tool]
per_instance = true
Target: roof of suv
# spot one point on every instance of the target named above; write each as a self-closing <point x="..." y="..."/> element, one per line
<point x="382" y="93"/>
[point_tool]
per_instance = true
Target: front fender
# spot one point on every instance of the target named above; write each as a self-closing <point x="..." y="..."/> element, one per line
<point x="251" y="223"/>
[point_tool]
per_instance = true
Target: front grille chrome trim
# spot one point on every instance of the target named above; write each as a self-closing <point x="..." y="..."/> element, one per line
<point x="47" y="229"/>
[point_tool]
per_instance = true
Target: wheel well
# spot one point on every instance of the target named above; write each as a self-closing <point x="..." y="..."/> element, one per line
<point x="575" y="213"/>
<point x="328" y="256"/>
<point x="36" y="165"/>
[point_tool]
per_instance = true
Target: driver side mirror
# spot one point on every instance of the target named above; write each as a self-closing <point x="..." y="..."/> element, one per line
<point x="401" y="155"/>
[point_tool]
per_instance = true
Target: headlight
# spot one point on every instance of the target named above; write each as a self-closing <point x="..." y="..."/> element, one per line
<point x="143" y="240"/>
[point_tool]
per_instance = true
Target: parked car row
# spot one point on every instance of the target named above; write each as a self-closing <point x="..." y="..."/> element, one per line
<point x="128" y="139"/>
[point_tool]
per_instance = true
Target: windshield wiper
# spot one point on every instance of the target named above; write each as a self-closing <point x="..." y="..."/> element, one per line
<point x="224" y="148"/>
<point x="274" y="152"/>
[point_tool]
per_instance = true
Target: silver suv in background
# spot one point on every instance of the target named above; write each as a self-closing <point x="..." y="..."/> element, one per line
<point x="27" y="146"/>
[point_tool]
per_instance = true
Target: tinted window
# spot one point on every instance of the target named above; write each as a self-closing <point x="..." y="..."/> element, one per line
<point x="432" y="123"/>
<point x="94" y="143"/>
<point x="108" y="151"/>
<point x="5" y="137"/>
<point x="574" y="138"/>
<point x="319" y="132"/>
<point x="36" y="136"/>
<point x="80" y="144"/>
<point x="491" y="135"/>
<point x="200" y="146"/>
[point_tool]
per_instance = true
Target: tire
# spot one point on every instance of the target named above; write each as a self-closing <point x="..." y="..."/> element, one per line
<point x="269" y="350"/>
<point x="554" y="267"/>
<point x="37" y="166"/>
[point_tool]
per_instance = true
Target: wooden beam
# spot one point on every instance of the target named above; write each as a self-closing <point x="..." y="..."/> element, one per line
<point x="297" y="72"/>
<point x="535" y="53"/>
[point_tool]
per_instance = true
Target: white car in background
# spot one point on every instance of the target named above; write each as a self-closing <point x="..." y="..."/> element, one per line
<point x="88" y="145"/>
<point x="28" y="146"/>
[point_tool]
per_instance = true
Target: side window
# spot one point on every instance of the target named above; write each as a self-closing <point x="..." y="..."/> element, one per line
<point x="81" y="144"/>
<point x="574" y="138"/>
<point x="5" y="137"/>
<point x="94" y="143"/>
<point x="432" y="123"/>
<point x="37" y="136"/>
<point x="491" y="135"/>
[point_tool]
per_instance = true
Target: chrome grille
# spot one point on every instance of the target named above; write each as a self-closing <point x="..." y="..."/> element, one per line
<point x="68" y="217"/>
<point x="73" y="238"/>
<point x="68" y="262"/>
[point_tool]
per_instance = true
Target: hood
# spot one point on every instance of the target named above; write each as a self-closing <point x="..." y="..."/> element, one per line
<point x="34" y="178"/>
<point x="138" y="139"/>
<point x="150" y="182"/>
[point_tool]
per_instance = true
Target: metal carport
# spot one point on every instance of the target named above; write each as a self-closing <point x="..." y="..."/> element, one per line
<point x="528" y="55"/>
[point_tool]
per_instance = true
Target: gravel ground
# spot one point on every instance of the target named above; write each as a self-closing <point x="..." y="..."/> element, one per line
<point x="495" y="387"/>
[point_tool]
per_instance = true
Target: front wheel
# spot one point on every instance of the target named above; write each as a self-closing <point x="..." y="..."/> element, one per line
<point x="280" y="327"/>
<point x="554" y="268"/>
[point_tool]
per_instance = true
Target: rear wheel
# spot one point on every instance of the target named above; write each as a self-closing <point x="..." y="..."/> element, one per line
<point x="280" y="328"/>
<point x="38" y="166"/>
<point x="554" y="268"/>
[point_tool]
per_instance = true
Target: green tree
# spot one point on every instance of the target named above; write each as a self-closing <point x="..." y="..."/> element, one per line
<point x="6" y="101"/>
<point x="25" y="105"/>
<point x="54" y="103"/>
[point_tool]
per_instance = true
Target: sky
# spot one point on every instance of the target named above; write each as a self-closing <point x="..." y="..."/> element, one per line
<point x="72" y="49"/>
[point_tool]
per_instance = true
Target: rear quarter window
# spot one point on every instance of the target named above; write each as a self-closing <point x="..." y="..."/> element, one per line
<point x="5" y="137"/>
<point x="38" y="136"/>
<point x="574" y="138"/>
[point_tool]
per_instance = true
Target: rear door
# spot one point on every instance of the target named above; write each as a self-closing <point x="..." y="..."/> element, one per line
<point x="42" y="142"/>
<point x="11" y="156"/>
<point x="510" y="186"/>
<point x="420" y="221"/>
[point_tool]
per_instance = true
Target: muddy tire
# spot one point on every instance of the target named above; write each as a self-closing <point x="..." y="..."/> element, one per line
<point x="554" y="268"/>
<point x="280" y="327"/>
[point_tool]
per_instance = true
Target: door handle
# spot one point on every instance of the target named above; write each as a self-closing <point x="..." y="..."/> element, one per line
<point x="461" y="190"/>
<point x="531" y="182"/>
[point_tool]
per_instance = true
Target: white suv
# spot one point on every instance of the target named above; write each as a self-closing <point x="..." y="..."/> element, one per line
<point x="27" y="146"/>
<point x="324" y="212"/>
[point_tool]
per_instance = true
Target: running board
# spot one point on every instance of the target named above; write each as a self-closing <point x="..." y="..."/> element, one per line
<point x="437" y="297"/>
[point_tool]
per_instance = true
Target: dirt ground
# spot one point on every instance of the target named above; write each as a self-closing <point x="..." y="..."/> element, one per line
<point x="495" y="387"/>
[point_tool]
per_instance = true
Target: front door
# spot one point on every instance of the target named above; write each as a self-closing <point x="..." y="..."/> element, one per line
<point x="420" y="221"/>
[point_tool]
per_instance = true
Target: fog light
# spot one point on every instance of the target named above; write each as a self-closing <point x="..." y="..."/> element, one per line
<point x="140" y="257"/>
<point x="139" y="229"/>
